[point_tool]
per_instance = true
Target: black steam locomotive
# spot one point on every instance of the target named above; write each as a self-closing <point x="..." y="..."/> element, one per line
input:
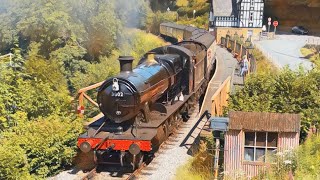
<point x="142" y="106"/>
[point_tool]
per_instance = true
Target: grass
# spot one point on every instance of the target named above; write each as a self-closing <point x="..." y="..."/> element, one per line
<point x="312" y="53"/>
<point x="264" y="65"/>
<point x="185" y="173"/>
<point x="198" y="167"/>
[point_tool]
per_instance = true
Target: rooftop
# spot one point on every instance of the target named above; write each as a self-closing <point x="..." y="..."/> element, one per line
<point x="264" y="121"/>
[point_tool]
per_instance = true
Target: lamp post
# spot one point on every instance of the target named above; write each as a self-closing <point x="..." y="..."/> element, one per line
<point x="228" y="34"/>
<point x="236" y="36"/>
<point x="248" y="45"/>
<point x="194" y="13"/>
<point x="241" y="38"/>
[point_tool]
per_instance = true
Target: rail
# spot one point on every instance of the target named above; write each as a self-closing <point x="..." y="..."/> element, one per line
<point x="239" y="50"/>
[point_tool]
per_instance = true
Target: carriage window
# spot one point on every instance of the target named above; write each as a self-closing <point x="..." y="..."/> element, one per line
<point x="259" y="146"/>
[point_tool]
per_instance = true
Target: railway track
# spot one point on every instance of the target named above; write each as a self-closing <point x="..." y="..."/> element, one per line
<point x="135" y="174"/>
<point x="174" y="140"/>
<point x="90" y="174"/>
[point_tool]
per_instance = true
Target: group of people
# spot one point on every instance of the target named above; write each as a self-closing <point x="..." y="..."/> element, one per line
<point x="244" y="65"/>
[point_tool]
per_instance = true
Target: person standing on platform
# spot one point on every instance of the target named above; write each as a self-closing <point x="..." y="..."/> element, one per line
<point x="245" y="66"/>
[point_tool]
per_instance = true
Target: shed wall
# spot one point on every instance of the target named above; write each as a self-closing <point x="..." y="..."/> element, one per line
<point x="233" y="153"/>
<point x="287" y="141"/>
<point x="253" y="169"/>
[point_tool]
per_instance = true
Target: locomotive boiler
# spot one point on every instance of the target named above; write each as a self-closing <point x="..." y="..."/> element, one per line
<point x="143" y="106"/>
<point x="132" y="92"/>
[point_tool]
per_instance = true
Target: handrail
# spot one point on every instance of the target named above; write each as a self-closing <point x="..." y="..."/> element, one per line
<point x="82" y="96"/>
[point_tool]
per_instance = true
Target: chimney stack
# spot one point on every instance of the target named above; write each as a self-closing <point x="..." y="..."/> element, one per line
<point x="125" y="63"/>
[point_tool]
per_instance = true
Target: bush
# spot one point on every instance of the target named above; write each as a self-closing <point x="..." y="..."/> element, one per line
<point x="308" y="159"/>
<point x="303" y="162"/>
<point x="134" y="42"/>
<point x="38" y="148"/>
<point x="200" y="166"/>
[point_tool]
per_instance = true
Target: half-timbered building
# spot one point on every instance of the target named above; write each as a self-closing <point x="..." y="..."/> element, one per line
<point x="246" y="15"/>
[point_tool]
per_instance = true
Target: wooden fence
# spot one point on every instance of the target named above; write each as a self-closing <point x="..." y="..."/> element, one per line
<point x="83" y="95"/>
<point x="220" y="97"/>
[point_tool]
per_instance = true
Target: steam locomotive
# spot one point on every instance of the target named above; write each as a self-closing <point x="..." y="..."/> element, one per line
<point x="142" y="106"/>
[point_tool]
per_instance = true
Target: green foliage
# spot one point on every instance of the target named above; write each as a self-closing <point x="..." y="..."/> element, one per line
<point x="182" y="3"/>
<point x="312" y="52"/>
<point x="38" y="67"/>
<point x="200" y="166"/>
<point x="303" y="162"/>
<point x="285" y="91"/>
<point x="143" y="42"/>
<point x="58" y="47"/>
<point x="40" y="147"/>
<point x="185" y="173"/>
<point x="134" y="42"/>
<point x="155" y="19"/>
<point x="201" y="7"/>
<point x="198" y="21"/>
<point x="308" y="159"/>
<point x="264" y="66"/>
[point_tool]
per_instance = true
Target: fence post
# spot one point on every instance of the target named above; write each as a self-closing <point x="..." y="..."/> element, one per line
<point x="81" y="105"/>
<point x="227" y="44"/>
<point x="240" y="51"/>
<point x="216" y="158"/>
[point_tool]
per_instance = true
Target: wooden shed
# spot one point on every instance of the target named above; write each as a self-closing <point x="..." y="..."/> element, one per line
<point x="252" y="136"/>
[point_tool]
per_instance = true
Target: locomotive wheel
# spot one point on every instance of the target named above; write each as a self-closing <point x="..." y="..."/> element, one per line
<point x="178" y="119"/>
<point x="137" y="161"/>
<point x="166" y="130"/>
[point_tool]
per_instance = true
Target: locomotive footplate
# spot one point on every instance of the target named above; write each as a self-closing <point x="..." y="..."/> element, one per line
<point x="158" y="118"/>
<point x="120" y="142"/>
<point x="126" y="149"/>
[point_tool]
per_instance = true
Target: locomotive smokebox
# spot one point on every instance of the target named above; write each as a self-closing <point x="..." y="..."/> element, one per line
<point x="125" y="63"/>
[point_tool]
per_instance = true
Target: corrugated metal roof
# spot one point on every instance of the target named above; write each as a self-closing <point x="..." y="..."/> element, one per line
<point x="263" y="121"/>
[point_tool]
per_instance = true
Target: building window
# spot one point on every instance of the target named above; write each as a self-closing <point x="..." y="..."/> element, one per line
<point x="252" y="2"/>
<point x="258" y="146"/>
<point x="251" y="16"/>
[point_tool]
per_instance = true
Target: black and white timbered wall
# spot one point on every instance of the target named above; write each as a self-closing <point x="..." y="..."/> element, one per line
<point x="251" y="13"/>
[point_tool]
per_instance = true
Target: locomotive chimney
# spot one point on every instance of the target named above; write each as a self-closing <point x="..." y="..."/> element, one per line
<point x="151" y="56"/>
<point x="125" y="63"/>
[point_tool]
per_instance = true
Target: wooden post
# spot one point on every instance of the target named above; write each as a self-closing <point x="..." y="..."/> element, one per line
<point x="216" y="159"/>
<point x="227" y="44"/>
<point x="235" y="45"/>
<point x="81" y="104"/>
<point x="240" y="51"/>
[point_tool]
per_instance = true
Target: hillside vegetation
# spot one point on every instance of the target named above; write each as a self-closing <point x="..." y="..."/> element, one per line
<point x="58" y="47"/>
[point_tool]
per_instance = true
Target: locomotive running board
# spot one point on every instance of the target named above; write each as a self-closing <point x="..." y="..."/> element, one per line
<point x="158" y="118"/>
